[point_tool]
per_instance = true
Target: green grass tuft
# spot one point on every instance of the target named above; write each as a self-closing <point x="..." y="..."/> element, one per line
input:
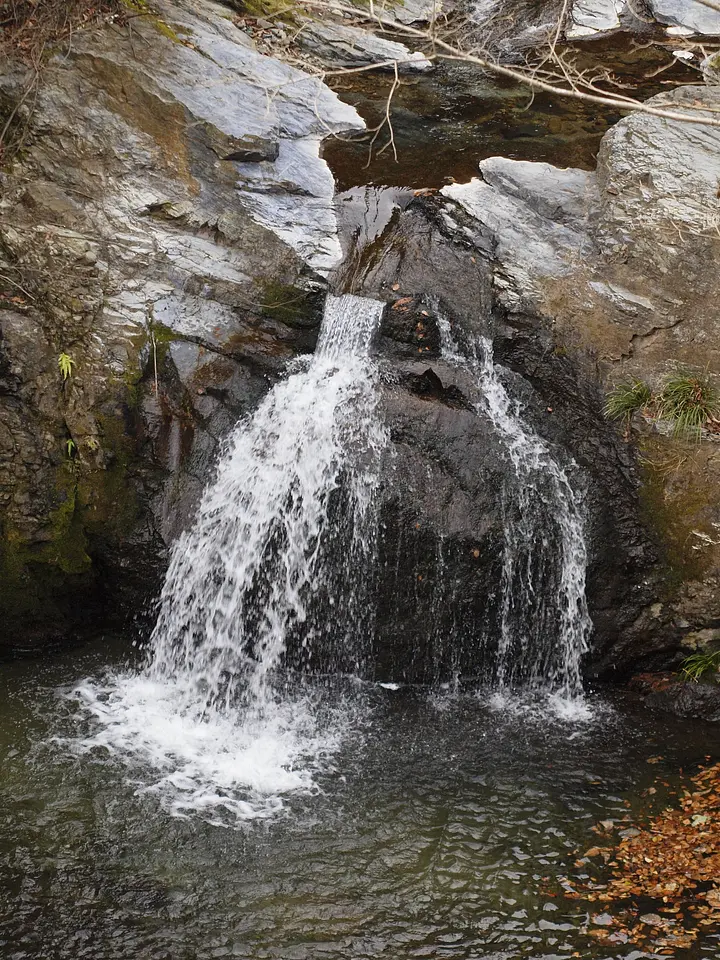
<point x="699" y="665"/>
<point x="690" y="401"/>
<point x="626" y="398"/>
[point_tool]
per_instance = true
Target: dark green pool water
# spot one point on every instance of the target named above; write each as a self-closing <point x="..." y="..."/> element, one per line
<point x="437" y="830"/>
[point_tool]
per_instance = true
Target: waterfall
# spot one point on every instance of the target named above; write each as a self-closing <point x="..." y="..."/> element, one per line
<point x="277" y="557"/>
<point x="544" y="625"/>
<point x="282" y="541"/>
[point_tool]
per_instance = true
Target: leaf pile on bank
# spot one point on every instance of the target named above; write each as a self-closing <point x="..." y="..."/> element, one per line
<point x="664" y="885"/>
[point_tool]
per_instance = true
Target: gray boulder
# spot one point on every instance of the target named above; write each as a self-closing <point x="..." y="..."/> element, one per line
<point x="590" y="17"/>
<point x="340" y="45"/>
<point x="692" y="14"/>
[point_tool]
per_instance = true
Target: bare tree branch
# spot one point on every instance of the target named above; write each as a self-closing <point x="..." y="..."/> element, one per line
<point x="565" y="83"/>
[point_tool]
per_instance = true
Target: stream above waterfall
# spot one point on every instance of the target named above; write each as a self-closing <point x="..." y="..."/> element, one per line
<point x="446" y="122"/>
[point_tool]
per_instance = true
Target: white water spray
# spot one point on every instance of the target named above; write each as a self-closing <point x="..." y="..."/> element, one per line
<point x="246" y="578"/>
<point x="277" y="556"/>
<point x="545" y="625"/>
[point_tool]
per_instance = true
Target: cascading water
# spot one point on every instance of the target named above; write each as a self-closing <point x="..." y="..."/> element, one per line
<point x="248" y="576"/>
<point x="278" y="555"/>
<point x="545" y="626"/>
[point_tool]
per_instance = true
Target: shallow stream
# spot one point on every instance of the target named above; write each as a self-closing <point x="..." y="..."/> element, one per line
<point x="445" y="123"/>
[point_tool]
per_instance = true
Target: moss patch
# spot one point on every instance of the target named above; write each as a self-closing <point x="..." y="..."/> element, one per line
<point x="287" y="304"/>
<point x="45" y="586"/>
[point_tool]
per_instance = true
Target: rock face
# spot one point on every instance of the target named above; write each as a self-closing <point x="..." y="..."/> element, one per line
<point x="510" y="29"/>
<point x="439" y="262"/>
<point x="167" y="227"/>
<point x="614" y="267"/>
<point x="594" y="16"/>
<point x="345" y="46"/>
<point x="414" y="11"/>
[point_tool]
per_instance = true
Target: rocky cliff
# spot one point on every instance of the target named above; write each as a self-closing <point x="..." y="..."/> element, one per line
<point x="166" y="226"/>
<point x="616" y="269"/>
<point x="169" y="226"/>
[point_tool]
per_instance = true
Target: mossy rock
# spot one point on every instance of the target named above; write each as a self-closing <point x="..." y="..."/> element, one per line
<point x="678" y="499"/>
<point x="289" y="304"/>
<point x="51" y="588"/>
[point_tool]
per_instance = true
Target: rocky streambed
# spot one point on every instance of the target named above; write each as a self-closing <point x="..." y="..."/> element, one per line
<point x="172" y="225"/>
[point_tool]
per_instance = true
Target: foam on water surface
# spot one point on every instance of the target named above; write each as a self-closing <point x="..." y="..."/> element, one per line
<point x="225" y="766"/>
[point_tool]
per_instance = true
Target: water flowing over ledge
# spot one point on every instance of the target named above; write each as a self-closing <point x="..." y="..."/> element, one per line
<point x="280" y="565"/>
<point x="275" y="560"/>
<point x="544" y="622"/>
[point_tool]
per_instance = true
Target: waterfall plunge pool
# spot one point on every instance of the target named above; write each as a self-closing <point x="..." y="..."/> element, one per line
<point x="437" y="828"/>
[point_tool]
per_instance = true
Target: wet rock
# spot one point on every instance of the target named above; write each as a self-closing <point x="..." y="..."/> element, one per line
<point x="695" y="700"/>
<point x="447" y="267"/>
<point x="441" y="529"/>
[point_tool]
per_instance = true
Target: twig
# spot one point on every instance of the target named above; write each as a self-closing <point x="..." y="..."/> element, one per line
<point x="448" y="51"/>
<point x="154" y="346"/>
<point x="387" y="122"/>
<point x="17" y="286"/>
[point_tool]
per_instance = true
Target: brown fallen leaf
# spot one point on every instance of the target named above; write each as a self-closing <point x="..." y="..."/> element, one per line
<point x="402" y="302"/>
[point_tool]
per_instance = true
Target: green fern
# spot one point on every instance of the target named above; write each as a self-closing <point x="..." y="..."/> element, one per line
<point x="699" y="665"/>
<point x="626" y="398"/>
<point x="690" y="401"/>
<point x="66" y="364"/>
<point x="70" y="449"/>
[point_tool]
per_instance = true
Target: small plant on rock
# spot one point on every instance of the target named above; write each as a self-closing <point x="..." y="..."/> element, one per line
<point x="690" y="401"/>
<point x="700" y="665"/>
<point x="66" y="364"/>
<point x="626" y="399"/>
